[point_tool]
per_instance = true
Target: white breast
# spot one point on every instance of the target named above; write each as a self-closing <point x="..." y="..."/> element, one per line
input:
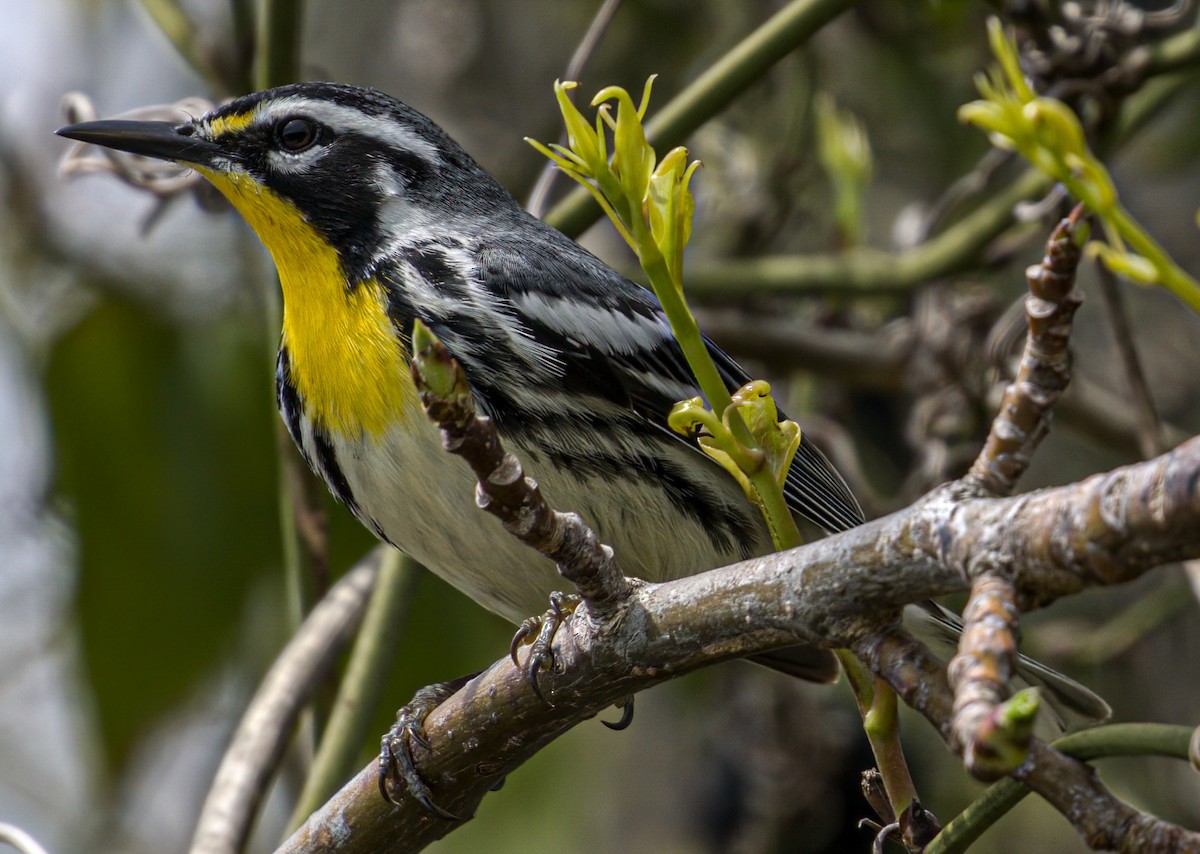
<point x="422" y="499"/>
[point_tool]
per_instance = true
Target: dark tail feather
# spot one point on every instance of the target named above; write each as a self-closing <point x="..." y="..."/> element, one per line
<point x="809" y="663"/>
<point x="1071" y="704"/>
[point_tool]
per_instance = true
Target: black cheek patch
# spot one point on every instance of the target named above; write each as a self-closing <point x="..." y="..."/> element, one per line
<point x="340" y="201"/>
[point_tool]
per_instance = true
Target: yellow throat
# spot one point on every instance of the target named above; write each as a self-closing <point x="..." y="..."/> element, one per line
<point x="347" y="362"/>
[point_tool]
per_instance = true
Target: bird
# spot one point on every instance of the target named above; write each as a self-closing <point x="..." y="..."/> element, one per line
<point x="376" y="218"/>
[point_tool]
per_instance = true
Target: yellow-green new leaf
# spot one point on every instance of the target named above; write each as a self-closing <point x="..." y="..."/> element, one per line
<point x="580" y="137"/>
<point x="1133" y="267"/>
<point x="778" y="440"/>
<point x="670" y="207"/>
<point x="633" y="157"/>
<point x="714" y="449"/>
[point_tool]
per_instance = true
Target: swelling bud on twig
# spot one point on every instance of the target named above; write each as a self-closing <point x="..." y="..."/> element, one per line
<point x="1002" y="742"/>
<point x="434" y="369"/>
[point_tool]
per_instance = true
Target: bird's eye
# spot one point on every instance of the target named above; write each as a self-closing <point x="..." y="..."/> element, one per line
<point x="297" y="134"/>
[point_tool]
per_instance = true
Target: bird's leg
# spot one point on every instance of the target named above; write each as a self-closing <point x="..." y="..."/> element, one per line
<point x="542" y="629"/>
<point x="541" y="653"/>
<point x="396" y="761"/>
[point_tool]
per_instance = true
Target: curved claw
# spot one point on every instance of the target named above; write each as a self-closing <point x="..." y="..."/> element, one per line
<point x="387" y="766"/>
<point x="527" y="629"/>
<point x="428" y="802"/>
<point x="396" y="760"/>
<point x="626" y="717"/>
<point x="536" y="662"/>
<point x="416" y="733"/>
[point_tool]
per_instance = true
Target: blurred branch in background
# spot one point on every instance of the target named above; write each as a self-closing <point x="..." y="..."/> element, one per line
<point x="712" y="91"/>
<point x="241" y="782"/>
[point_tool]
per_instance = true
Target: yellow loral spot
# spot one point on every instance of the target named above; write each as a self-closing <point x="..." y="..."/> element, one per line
<point x="346" y="360"/>
<point x="230" y="124"/>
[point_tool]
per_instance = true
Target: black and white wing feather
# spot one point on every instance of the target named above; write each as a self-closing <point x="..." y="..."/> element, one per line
<point x="602" y="336"/>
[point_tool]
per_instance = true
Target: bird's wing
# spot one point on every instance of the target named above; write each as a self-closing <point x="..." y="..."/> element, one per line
<point x="583" y="329"/>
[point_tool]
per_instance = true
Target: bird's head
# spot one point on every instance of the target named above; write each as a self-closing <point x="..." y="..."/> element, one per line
<point x="352" y="168"/>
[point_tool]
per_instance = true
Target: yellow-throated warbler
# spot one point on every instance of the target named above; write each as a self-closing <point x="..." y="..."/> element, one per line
<point x="375" y="217"/>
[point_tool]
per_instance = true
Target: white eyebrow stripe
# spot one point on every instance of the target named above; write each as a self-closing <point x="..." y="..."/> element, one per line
<point x="343" y="119"/>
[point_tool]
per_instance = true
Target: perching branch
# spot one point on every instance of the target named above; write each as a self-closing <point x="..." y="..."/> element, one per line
<point x="1108" y="529"/>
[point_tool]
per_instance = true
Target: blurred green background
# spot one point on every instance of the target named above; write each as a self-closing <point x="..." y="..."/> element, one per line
<point x="141" y="591"/>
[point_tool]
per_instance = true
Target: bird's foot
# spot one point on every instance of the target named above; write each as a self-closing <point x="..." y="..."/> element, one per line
<point x="542" y="631"/>
<point x="396" y="762"/>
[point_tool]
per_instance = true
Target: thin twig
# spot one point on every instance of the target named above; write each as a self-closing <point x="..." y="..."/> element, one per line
<point x="20" y="839"/>
<point x="180" y="30"/>
<point x="979" y="675"/>
<point x="1145" y="412"/>
<point x="957" y="248"/>
<point x="1024" y="416"/>
<point x="583" y="52"/>
<point x="503" y="489"/>
<point x="1112" y="740"/>
<point x="874" y="358"/>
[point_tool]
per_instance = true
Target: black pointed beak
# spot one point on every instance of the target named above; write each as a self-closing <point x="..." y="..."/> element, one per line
<point x="163" y="140"/>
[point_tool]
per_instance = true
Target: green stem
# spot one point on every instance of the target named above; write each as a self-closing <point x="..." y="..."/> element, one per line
<point x="881" y="722"/>
<point x="1170" y="275"/>
<point x="778" y="516"/>
<point x="780" y="522"/>
<point x="955" y="249"/>
<point x="713" y="90"/>
<point x="278" y="48"/>
<point x="1179" y="51"/>
<point x="241" y="13"/>
<point x="180" y="31"/>
<point x="1096" y="743"/>
<point x="360" y="690"/>
<point x="687" y="333"/>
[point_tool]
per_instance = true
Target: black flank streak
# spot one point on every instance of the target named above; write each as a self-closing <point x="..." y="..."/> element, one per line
<point x="334" y="477"/>
<point x="727" y="528"/>
<point x="288" y="400"/>
<point x="401" y="312"/>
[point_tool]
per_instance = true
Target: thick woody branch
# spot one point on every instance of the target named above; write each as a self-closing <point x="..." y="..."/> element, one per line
<point x="1107" y="529"/>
